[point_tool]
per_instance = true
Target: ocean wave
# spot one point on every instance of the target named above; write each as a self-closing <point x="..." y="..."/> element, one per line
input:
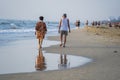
<point x="24" y="30"/>
<point x="13" y="26"/>
<point x="4" y="23"/>
<point x="17" y="30"/>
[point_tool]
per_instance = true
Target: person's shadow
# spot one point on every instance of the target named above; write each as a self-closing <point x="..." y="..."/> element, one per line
<point x="40" y="61"/>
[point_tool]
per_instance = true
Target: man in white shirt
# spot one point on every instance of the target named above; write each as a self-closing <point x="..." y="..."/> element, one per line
<point x="64" y="27"/>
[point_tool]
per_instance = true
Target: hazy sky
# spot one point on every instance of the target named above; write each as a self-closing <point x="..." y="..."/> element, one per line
<point x="52" y="10"/>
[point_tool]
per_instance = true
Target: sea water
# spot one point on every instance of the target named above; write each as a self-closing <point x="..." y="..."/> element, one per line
<point x="19" y="60"/>
<point x="12" y="30"/>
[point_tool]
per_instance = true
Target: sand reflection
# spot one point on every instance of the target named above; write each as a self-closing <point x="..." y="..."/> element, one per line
<point x="63" y="62"/>
<point x="49" y="61"/>
<point x="40" y="61"/>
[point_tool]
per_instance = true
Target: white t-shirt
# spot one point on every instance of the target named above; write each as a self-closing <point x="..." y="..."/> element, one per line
<point x="64" y="24"/>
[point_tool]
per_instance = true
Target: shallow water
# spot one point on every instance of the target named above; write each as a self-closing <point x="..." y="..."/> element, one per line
<point x="40" y="62"/>
<point x="59" y="61"/>
<point x="20" y="56"/>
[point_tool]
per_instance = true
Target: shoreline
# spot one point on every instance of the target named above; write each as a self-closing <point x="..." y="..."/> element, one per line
<point x="105" y="55"/>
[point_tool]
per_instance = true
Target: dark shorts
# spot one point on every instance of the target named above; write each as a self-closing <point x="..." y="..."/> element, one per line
<point x="64" y="32"/>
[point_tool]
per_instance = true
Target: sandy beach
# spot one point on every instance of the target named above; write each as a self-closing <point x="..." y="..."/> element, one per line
<point x="104" y="52"/>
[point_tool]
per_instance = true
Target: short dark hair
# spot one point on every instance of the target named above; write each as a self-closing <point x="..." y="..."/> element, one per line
<point x="41" y="17"/>
<point x="65" y="15"/>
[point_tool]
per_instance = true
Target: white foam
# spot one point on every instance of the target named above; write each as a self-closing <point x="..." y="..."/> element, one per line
<point x="16" y="30"/>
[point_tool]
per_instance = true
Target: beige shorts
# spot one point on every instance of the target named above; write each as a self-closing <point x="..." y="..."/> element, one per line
<point x="40" y="35"/>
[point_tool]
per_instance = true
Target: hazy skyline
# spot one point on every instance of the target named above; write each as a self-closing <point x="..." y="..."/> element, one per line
<point x="52" y="10"/>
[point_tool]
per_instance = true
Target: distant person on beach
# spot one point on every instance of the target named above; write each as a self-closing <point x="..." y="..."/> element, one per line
<point x="93" y="23"/>
<point x="41" y="30"/>
<point x="77" y="24"/>
<point x="98" y="23"/>
<point x="86" y="23"/>
<point x="110" y="25"/>
<point x="64" y="26"/>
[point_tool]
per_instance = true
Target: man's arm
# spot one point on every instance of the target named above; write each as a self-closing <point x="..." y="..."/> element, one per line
<point x="45" y="28"/>
<point x="36" y="28"/>
<point x="68" y="25"/>
<point x="59" y="26"/>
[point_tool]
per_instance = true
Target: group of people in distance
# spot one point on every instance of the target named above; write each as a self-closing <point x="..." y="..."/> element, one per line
<point x="95" y="23"/>
<point x="77" y="24"/>
<point x="41" y="30"/>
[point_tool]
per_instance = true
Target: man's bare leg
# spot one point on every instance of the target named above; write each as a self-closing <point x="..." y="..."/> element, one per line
<point x="40" y="43"/>
<point x="64" y="40"/>
<point x="61" y="38"/>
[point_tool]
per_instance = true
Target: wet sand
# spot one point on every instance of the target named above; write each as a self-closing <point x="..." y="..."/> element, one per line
<point x="104" y="51"/>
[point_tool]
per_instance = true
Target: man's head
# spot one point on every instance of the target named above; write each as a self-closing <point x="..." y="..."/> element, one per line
<point x="41" y="18"/>
<point x="64" y="15"/>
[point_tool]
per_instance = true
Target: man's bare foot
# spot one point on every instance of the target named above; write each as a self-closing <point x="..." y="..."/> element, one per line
<point x="39" y="47"/>
<point x="64" y="46"/>
<point x="60" y="45"/>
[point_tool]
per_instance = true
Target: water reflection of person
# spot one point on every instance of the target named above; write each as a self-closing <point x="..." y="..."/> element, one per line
<point x="40" y="61"/>
<point x="63" y="61"/>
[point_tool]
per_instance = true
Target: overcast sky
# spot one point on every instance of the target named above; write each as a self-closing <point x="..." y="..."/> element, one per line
<point x="52" y="10"/>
